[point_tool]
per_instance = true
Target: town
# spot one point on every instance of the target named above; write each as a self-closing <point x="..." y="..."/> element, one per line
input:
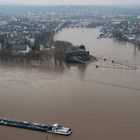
<point x="128" y="31"/>
<point x="30" y="29"/>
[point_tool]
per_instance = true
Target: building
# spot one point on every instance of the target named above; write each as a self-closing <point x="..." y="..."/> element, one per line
<point x="20" y="49"/>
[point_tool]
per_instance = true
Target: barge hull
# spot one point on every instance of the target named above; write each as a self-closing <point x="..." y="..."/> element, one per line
<point x="24" y="125"/>
<point x="54" y="129"/>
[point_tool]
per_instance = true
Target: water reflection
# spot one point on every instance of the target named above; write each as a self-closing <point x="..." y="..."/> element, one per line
<point x="51" y="60"/>
<point x="139" y="49"/>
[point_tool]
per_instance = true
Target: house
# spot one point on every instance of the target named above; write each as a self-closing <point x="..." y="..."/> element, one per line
<point x="20" y="49"/>
<point x="31" y="41"/>
<point x="42" y="47"/>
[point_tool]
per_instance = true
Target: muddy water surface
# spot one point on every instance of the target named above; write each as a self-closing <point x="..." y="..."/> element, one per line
<point x="97" y="103"/>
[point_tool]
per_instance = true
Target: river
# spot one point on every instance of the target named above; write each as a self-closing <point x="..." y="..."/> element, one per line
<point x="97" y="103"/>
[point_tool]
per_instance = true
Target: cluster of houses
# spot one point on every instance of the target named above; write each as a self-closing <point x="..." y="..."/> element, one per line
<point x="19" y="32"/>
<point x="122" y="30"/>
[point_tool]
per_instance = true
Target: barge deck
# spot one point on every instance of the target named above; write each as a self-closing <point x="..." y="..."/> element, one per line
<point x="56" y="128"/>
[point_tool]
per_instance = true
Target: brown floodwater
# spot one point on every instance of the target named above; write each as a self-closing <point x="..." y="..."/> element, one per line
<point x="97" y="103"/>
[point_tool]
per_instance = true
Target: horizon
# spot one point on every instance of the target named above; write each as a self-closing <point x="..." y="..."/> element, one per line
<point x="69" y="2"/>
<point x="115" y="5"/>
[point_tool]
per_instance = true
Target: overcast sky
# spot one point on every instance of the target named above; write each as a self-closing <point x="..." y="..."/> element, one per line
<point x="69" y="2"/>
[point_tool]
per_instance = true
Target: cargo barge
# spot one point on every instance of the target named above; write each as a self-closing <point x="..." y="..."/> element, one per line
<point x="55" y="128"/>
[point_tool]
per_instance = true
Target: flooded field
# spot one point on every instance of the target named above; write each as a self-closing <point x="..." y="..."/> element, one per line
<point x="97" y="103"/>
